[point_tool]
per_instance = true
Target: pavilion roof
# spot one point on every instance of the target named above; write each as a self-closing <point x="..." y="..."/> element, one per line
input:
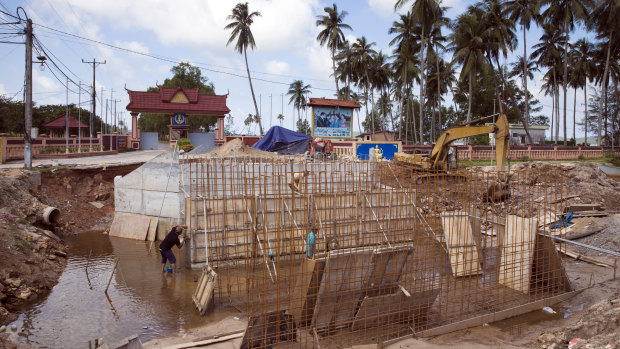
<point x="60" y="122"/>
<point x="177" y="100"/>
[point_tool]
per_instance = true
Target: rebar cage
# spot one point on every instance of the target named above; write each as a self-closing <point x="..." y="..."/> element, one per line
<point x="341" y="253"/>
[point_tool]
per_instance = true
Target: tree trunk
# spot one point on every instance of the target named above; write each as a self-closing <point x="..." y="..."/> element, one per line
<point x="497" y="94"/>
<point x="402" y="100"/>
<point x="604" y="89"/>
<point x="565" y="82"/>
<point x="552" y="113"/>
<point x="574" y="113"/>
<point x="334" y="69"/>
<point x="422" y="90"/>
<point x="471" y="79"/>
<point x="606" y="117"/>
<point x="258" y="117"/>
<point x="438" y="88"/>
<point x="555" y="96"/>
<point x="527" y="97"/>
<point x="585" y="98"/>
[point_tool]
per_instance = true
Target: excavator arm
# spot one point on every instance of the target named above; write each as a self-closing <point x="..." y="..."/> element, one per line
<point x="500" y="129"/>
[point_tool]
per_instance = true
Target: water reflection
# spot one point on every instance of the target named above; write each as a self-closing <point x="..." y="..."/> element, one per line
<point x="141" y="300"/>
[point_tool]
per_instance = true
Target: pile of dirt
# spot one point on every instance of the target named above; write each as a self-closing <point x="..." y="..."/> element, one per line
<point x="601" y="327"/>
<point x="85" y="197"/>
<point x="588" y="182"/>
<point x="237" y="148"/>
<point x="32" y="256"/>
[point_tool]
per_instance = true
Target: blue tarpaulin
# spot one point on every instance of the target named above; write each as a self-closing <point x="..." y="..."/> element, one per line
<point x="284" y="141"/>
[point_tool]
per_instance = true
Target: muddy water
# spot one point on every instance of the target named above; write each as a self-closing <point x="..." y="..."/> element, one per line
<point x="141" y="300"/>
<point x="520" y="324"/>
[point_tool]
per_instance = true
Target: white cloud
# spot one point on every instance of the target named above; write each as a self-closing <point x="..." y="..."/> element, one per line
<point x="2" y="90"/>
<point x="383" y="7"/>
<point x="277" y="67"/>
<point x="132" y="45"/>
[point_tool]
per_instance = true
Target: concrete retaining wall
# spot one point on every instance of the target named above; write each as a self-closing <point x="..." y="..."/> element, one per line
<point x="142" y="191"/>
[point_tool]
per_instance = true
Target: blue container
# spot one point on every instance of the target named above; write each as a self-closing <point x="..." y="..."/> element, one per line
<point x="169" y="269"/>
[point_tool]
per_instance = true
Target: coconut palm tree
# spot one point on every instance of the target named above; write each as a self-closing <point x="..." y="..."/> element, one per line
<point x="605" y="19"/>
<point x="280" y="117"/>
<point x="242" y="19"/>
<point x="468" y="43"/>
<point x="424" y="13"/>
<point x="582" y="70"/>
<point x="344" y="68"/>
<point x="362" y="57"/>
<point x="298" y="92"/>
<point x="405" y="41"/>
<point x="332" y="35"/>
<point x="517" y="70"/>
<point x="524" y="12"/>
<point x="564" y="14"/>
<point x="547" y="53"/>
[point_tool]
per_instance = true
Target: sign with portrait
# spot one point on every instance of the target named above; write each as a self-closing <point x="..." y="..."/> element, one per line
<point x="331" y="122"/>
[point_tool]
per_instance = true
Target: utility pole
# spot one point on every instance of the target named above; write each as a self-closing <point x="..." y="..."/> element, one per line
<point x="80" y="117"/>
<point x="93" y="109"/>
<point x="115" y="129"/>
<point x="67" y="121"/>
<point x="270" y="108"/>
<point x="28" y="99"/>
<point x="101" y="122"/>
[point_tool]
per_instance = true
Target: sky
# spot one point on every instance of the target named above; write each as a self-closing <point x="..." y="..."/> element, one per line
<point x="193" y="30"/>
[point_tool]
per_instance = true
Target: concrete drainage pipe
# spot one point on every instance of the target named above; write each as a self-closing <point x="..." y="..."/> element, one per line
<point x="51" y="215"/>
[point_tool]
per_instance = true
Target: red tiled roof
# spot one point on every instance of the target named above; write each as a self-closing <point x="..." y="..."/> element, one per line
<point x="159" y="102"/>
<point x="60" y="123"/>
<point x="325" y="102"/>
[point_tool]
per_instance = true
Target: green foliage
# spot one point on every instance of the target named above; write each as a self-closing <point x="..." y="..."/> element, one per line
<point x="479" y="140"/>
<point x="183" y="141"/>
<point x="187" y="147"/>
<point x="303" y="126"/>
<point x="526" y="158"/>
<point x="581" y="157"/>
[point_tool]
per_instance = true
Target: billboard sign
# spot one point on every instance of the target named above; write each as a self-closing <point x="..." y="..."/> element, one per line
<point x="331" y="122"/>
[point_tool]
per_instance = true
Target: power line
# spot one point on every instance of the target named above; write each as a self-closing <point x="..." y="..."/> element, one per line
<point x="164" y="59"/>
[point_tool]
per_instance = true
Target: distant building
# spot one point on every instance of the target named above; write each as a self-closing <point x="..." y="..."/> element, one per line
<point x="380" y="136"/>
<point x="518" y="136"/>
<point x="57" y="128"/>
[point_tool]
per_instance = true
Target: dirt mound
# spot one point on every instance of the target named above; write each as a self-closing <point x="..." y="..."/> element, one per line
<point x="237" y="148"/>
<point x="588" y="182"/>
<point x="32" y="256"/>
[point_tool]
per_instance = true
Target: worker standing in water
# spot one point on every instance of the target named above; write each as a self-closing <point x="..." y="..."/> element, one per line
<point x="165" y="248"/>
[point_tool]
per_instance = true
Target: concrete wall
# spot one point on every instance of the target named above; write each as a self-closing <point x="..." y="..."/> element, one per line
<point x="148" y="140"/>
<point x="207" y="139"/>
<point x="142" y="191"/>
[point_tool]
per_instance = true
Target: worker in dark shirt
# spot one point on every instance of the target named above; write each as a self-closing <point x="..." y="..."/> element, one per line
<point x="165" y="248"/>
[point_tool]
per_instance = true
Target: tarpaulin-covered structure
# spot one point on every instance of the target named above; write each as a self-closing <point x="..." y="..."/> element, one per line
<point x="284" y="141"/>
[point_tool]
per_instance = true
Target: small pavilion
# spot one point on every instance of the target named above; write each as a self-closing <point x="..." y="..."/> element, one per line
<point x="57" y="127"/>
<point x="178" y="104"/>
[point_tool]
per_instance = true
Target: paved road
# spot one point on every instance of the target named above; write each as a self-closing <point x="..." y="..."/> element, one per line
<point x="121" y="159"/>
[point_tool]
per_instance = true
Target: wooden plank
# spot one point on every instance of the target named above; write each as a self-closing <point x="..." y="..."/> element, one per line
<point x="301" y="290"/>
<point x="517" y="249"/>
<point x="464" y="258"/>
<point x="327" y="299"/>
<point x="203" y="296"/>
<point x="353" y="284"/>
<point x="130" y="226"/>
<point x="547" y="268"/>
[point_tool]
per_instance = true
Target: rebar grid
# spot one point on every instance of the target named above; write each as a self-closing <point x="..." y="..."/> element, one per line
<point x="394" y="250"/>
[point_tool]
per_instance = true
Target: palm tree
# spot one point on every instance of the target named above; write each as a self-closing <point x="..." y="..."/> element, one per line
<point x="298" y="91"/>
<point x="404" y="52"/>
<point x="467" y="42"/>
<point x="242" y="19"/>
<point x="547" y="53"/>
<point x="424" y="13"/>
<point x="605" y="18"/>
<point x="332" y="35"/>
<point x="564" y="14"/>
<point x="517" y="70"/>
<point x="344" y="68"/>
<point x="281" y="118"/>
<point x="362" y="53"/>
<point x="436" y="40"/>
<point x="524" y="12"/>
<point x="582" y="68"/>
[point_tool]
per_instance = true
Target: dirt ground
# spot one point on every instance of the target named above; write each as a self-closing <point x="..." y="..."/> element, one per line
<point x="34" y="254"/>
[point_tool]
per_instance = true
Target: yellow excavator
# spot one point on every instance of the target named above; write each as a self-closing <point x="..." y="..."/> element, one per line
<point x="437" y="159"/>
